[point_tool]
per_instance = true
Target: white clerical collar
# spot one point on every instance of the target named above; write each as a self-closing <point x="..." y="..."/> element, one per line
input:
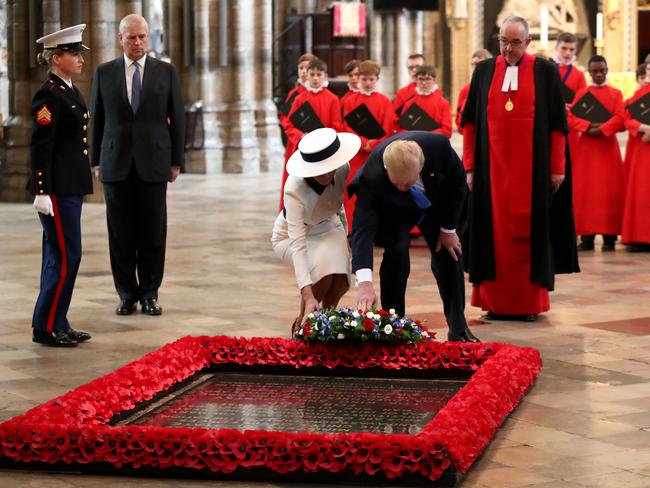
<point x="367" y="93"/>
<point x="352" y="89"/>
<point x="309" y="88"/>
<point x="427" y="93"/>
<point x="511" y="79"/>
<point x="604" y="83"/>
<point x="560" y="62"/>
<point x="128" y="61"/>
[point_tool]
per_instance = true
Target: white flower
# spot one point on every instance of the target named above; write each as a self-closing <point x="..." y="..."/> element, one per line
<point x="310" y="316"/>
<point x="425" y="334"/>
<point x="392" y="311"/>
<point x="332" y="318"/>
<point x="315" y="326"/>
<point x="388" y="329"/>
<point x="300" y="332"/>
<point x="370" y="315"/>
<point x="355" y="314"/>
<point x="340" y="336"/>
<point x="354" y="323"/>
<point x="346" y="323"/>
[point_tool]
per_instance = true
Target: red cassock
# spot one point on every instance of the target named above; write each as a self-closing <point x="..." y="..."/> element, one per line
<point x="381" y="109"/>
<point x="574" y="79"/>
<point x="629" y="148"/>
<point x="402" y="95"/>
<point x="598" y="175"/>
<point x="462" y="98"/>
<point x="436" y="106"/>
<point x="636" y="214"/>
<point x="327" y="108"/>
<point x="511" y="168"/>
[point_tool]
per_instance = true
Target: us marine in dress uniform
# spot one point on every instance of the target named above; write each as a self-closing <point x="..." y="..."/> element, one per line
<point x="60" y="177"/>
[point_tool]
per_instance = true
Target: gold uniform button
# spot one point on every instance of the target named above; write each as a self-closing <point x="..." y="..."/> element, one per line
<point x="85" y="139"/>
<point x="40" y="182"/>
<point x="85" y="127"/>
<point x="85" y="152"/>
<point x="86" y="115"/>
<point x="40" y="191"/>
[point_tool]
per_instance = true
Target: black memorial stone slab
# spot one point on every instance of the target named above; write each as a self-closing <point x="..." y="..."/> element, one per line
<point x="316" y="404"/>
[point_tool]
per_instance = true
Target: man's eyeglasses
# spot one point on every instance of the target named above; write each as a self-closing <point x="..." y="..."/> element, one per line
<point x="515" y="43"/>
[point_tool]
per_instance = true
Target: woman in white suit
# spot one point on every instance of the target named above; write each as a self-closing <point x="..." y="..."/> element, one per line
<point x="310" y="233"/>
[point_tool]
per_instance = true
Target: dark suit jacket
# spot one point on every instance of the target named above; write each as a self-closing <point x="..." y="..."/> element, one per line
<point x="151" y="138"/>
<point x="59" y="145"/>
<point x="381" y="206"/>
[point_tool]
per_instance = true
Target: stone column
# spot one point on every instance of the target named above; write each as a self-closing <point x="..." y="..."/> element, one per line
<point x="126" y="7"/>
<point x="15" y="170"/>
<point x="51" y="16"/>
<point x="266" y="114"/>
<point x="460" y="52"/>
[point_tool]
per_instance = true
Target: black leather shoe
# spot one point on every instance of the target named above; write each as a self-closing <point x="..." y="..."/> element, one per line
<point x="79" y="335"/>
<point x="466" y="336"/>
<point x="150" y="306"/>
<point x="531" y="317"/>
<point x="126" y="307"/>
<point x="607" y="247"/>
<point x="586" y="246"/>
<point x="53" y="339"/>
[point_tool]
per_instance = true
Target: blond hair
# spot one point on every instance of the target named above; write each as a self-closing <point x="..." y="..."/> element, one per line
<point x="403" y="158"/>
<point x="369" y="68"/>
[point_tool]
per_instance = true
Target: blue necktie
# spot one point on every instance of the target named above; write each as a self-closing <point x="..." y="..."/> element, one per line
<point x="420" y="198"/>
<point x="135" y="88"/>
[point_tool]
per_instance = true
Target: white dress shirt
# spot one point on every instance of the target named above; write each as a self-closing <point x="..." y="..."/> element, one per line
<point x="129" y="69"/>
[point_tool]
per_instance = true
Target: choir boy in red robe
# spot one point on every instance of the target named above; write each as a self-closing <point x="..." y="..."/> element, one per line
<point x="351" y="69"/>
<point x="403" y="94"/>
<point x="477" y="57"/>
<point x="598" y="176"/>
<point x="513" y="150"/>
<point x="380" y="108"/>
<point x="636" y="214"/>
<point x="303" y="62"/>
<point x="640" y="81"/>
<point x="572" y="77"/>
<point x="324" y="103"/>
<point x="429" y="98"/>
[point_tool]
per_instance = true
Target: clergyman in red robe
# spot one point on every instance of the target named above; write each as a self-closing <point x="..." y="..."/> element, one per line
<point x="514" y="140"/>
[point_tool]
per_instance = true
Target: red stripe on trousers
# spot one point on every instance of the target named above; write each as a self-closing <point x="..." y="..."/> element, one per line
<point x="64" y="264"/>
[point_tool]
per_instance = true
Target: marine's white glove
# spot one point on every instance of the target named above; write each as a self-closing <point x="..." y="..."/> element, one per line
<point x="43" y="203"/>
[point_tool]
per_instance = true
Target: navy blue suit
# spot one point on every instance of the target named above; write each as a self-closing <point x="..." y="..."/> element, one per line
<point x="385" y="216"/>
<point x="60" y="169"/>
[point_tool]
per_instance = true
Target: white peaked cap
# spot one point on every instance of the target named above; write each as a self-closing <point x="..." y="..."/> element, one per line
<point x="67" y="39"/>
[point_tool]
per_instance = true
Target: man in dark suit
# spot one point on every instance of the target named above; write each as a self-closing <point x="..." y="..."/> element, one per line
<point x="412" y="178"/>
<point x="137" y="147"/>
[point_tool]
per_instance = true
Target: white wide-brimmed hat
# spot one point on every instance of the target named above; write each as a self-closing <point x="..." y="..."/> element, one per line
<point x="321" y="151"/>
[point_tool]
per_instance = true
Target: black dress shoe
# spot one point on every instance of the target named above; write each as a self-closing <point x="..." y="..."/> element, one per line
<point x="126" y="307"/>
<point x="586" y="246"/>
<point x="607" y="247"/>
<point x="530" y="317"/>
<point x="466" y="336"/>
<point x="79" y="335"/>
<point x="150" y="306"/>
<point x="53" y="339"/>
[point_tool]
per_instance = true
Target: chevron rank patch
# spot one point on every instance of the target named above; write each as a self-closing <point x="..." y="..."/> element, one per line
<point x="44" y="115"/>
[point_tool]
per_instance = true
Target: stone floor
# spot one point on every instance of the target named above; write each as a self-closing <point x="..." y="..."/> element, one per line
<point x="586" y="423"/>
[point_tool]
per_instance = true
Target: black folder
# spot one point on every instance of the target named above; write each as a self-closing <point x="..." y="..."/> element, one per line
<point x="567" y="94"/>
<point x="640" y="110"/>
<point x="364" y="123"/>
<point x="305" y="119"/>
<point x="417" y="119"/>
<point x="590" y="109"/>
<point x="285" y="107"/>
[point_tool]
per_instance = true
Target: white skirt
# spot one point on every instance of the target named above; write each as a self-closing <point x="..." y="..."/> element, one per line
<point x="328" y="251"/>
